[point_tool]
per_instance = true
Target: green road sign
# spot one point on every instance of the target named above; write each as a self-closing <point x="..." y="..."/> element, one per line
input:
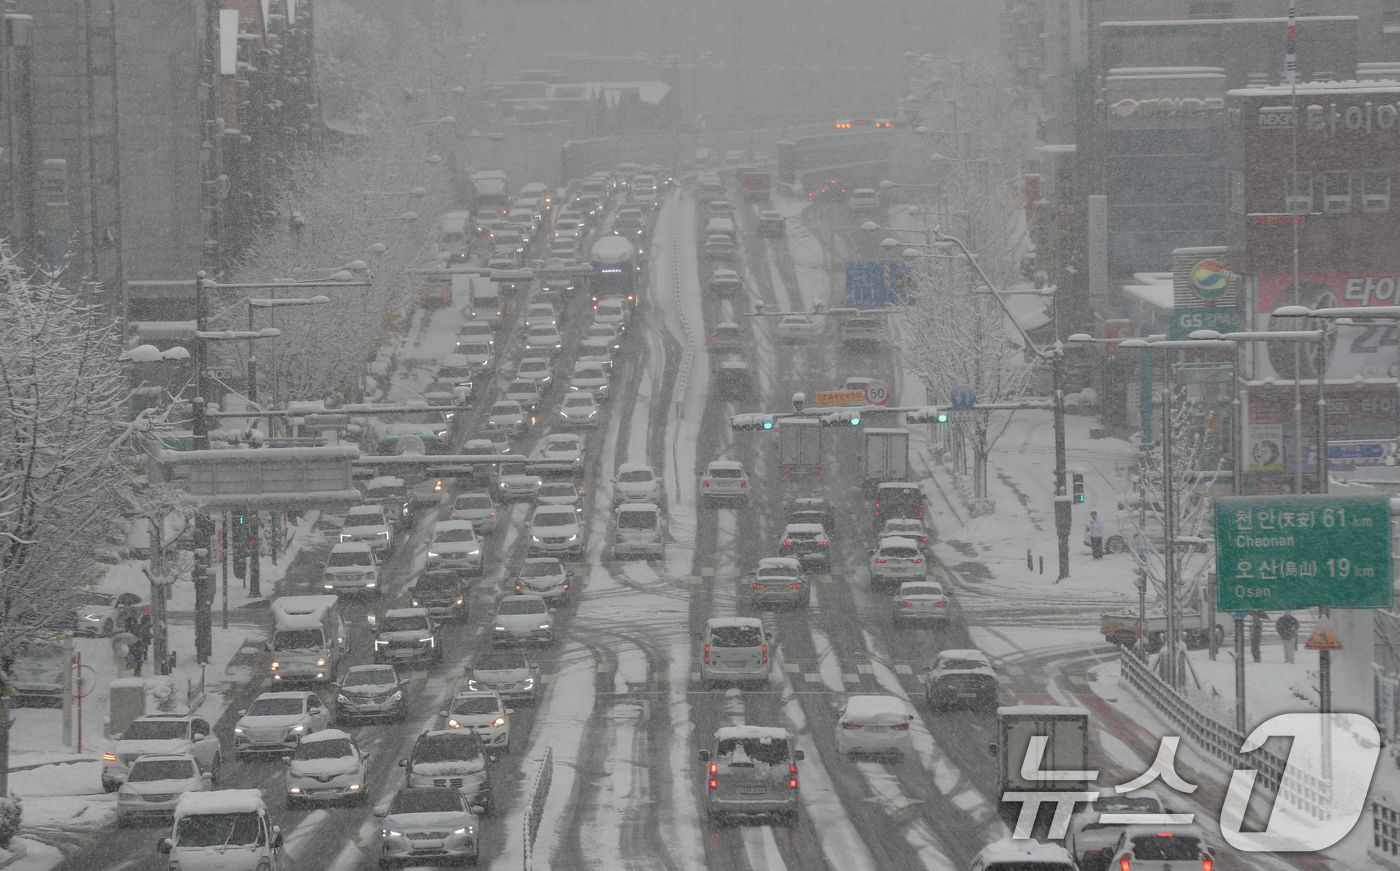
<point x="1276" y="553"/>
<point x="1187" y="320"/>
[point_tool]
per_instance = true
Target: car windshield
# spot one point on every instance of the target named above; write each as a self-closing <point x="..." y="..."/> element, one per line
<point x="501" y="660"/>
<point x="296" y="639"/>
<point x="474" y="350"/>
<point x="146" y="770"/>
<point x="525" y="386"/>
<point x="333" y="748"/>
<point x="533" y="366"/>
<point x="475" y="704"/>
<point x="636" y="520"/>
<point x="578" y="402"/>
<point x="561" y="443"/>
<point x="472" y="502"/>
<point x="427" y="801"/>
<point x="554" y="518"/>
<point x="454" y="535"/>
<point x="636" y="476"/>
<point x="475" y="330"/>
<point x="276" y="707"/>
<point x="364" y="520"/>
<point x="558" y="490"/>
<point x="767" y="751"/>
<point x="378" y="493"/>
<point x="782" y="571"/>
<point x="369" y="677"/>
<point x="543" y="332"/>
<point x="540" y="310"/>
<point x="523" y="606"/>
<point x="802" y="535"/>
<point x="447" y="748"/>
<point x="607" y="330"/>
<point x="542" y="570"/>
<point x="506" y="408"/>
<point x="350" y="558"/>
<point x="219" y="829"/>
<point x="965" y="665"/>
<point x="156" y="730"/>
<point x="1125" y="803"/>
<point x="1166" y="848"/>
<point x="589" y="374"/>
<point x="403" y="622"/>
<point x="922" y="590"/>
<point x="437" y="582"/>
<point x="736" y="636"/>
<point x="722" y="472"/>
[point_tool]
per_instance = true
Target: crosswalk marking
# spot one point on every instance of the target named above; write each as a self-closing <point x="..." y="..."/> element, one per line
<point x="792" y="668"/>
<point x="865" y="668"/>
<point x="811" y="677"/>
<point x="902" y="668"/>
<point x="850" y="678"/>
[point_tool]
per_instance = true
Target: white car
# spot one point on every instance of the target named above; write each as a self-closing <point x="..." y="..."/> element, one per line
<point x="155" y="783"/>
<point x="454" y="545"/>
<point x="555" y="530"/>
<point x="560" y="493"/>
<point x="609" y="331"/>
<point x="477" y="353"/>
<point x="480" y="331"/>
<point x="476" y="508"/>
<point x="484" y="713"/>
<point x="541" y="313"/>
<point x="1090" y="841"/>
<point x="1162" y="848"/>
<point x="592" y="377"/>
<point x="521" y="620"/>
<point x="368" y="523"/>
<point x="896" y="561"/>
<point x="907" y="527"/>
<point x="579" y="408"/>
<point x="537" y="369"/>
<point x="509" y="416"/>
<point x="545" y="577"/>
<point x="162" y="734"/>
<point x="636" y="482"/>
<point x="724" y="481"/>
<point x="874" y="725"/>
<point x="507" y="672"/>
<point x="597" y="350"/>
<point x="352" y="567"/>
<point x="611" y="311"/>
<point x="526" y="392"/>
<point x="276" y="722"/>
<point x="442" y="819"/>
<point x="639" y="529"/>
<point x="326" y="766"/>
<point x="544" y="338"/>
<point x="514" y="482"/>
<point x="795" y="328"/>
<point x="920" y="602"/>
<point x="559" y="453"/>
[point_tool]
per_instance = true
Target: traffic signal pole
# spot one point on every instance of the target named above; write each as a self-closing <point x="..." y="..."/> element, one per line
<point x="1063" y="507"/>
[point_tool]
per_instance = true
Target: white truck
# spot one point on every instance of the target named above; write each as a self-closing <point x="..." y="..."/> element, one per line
<point x="886" y="455"/>
<point x="799" y="445"/>
<point x="309" y="637"/>
<point x="1121" y="627"/>
<point x="1060" y="735"/>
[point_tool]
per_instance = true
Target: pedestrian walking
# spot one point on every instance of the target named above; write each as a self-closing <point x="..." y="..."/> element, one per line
<point x="121" y="649"/>
<point x="1256" y="634"/>
<point x="143" y="632"/>
<point x="1096" y="534"/>
<point x="137" y="649"/>
<point x="1287" y="627"/>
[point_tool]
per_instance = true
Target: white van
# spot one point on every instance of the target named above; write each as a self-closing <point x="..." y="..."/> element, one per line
<point x="454" y="236"/>
<point x="309" y="637"/>
<point x="735" y="650"/>
<point x="639" y="530"/>
<point x="719" y="226"/>
<point x="223" y="830"/>
<point x="486" y="301"/>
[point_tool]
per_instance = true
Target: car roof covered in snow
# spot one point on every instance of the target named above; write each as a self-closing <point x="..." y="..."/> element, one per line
<point x="808" y="528"/>
<point x="384" y="481"/>
<point x="747" y="622"/>
<point x="220" y="801"/>
<point x="1024" y="851"/>
<point x="325" y="735"/>
<point x="779" y="562"/>
<point x="770" y="733"/>
<point x="898" y="541"/>
<point x="726" y="464"/>
<point x="968" y="653"/>
<point x="875" y="706"/>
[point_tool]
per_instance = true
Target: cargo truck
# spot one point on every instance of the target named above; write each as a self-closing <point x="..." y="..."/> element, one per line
<point x="886" y="455"/>
<point x="799" y="445"/>
<point x="1064" y="734"/>
<point x="757" y="185"/>
<point x="1121" y="627"/>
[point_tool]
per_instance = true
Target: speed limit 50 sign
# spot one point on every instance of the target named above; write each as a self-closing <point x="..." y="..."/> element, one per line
<point x="877" y="393"/>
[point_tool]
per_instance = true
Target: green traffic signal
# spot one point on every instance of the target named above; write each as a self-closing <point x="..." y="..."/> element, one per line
<point x="767" y="422"/>
<point x="942" y="417"/>
<point x="855" y="420"/>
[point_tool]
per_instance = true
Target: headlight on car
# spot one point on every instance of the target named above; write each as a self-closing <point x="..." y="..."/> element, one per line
<point x="499" y="722"/>
<point x="500" y="629"/>
<point x="390" y="833"/>
<point x="432" y="554"/>
<point x="297" y="729"/>
<point x="238" y="730"/>
<point x="528" y="684"/>
<point x="472" y="683"/>
<point x="574" y="537"/>
<point x="341" y="700"/>
<point x="453" y="724"/>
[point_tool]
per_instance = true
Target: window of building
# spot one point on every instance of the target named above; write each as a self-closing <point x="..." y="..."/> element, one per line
<point x="1375" y="191"/>
<point x="1297" y="193"/>
<point x="1236" y="192"/>
<point x="1215" y="9"/>
<point x="1336" y="191"/>
<point x="1390" y="21"/>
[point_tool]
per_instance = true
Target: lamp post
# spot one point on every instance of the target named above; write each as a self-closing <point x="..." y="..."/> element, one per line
<point x="269" y="304"/>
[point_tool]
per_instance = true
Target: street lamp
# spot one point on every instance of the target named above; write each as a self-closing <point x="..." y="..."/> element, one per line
<point x="270" y="304"/>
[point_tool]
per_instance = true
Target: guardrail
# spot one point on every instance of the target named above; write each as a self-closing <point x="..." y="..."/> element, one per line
<point x="688" y="355"/>
<point x="535" y="809"/>
<point x="1210" y="736"/>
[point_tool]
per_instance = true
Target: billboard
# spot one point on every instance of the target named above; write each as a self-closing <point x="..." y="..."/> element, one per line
<point x="1366" y="350"/>
<point x="877" y="283"/>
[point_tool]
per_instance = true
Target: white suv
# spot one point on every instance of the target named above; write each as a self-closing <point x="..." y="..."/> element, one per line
<point x="369" y="524"/>
<point x="164" y="734"/>
<point x="555" y="530"/>
<point x="352" y="567"/>
<point x="724" y="480"/>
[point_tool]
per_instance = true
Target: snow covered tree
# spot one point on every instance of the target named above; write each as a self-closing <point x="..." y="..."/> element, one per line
<point x="956" y="332"/>
<point x="64" y="452"/>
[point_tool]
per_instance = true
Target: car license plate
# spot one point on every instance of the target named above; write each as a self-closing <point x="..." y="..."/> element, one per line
<point x="753" y="790"/>
<point x="875" y="728"/>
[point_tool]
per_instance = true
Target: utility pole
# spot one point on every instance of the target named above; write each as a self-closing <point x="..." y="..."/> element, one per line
<point x="1063" y="506"/>
<point x="203" y="525"/>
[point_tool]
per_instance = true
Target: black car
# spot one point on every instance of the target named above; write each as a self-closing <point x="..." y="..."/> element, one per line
<point x="407" y="635"/>
<point x="453" y="758"/>
<point x="442" y="594"/>
<point x="371" y="692"/>
<point x="812" y="509"/>
<point x="771" y="224"/>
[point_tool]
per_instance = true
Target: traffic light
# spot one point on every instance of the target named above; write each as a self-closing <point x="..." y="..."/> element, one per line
<point x="931" y="414"/>
<point x="238" y="553"/>
<point x="240" y="520"/>
<point x="1078" y="480"/>
<point x="847" y="417"/>
<point x="744" y="422"/>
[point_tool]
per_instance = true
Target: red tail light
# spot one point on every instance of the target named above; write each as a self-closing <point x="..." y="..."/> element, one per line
<point x="714" y="775"/>
<point x="850" y="725"/>
<point x="879" y="559"/>
<point x="704" y="483"/>
<point x="794" y="586"/>
<point x="792" y="781"/>
<point x="707" y="654"/>
<point x="765" y="653"/>
<point x="906" y="604"/>
<point x="1206" y="863"/>
<point x="743" y="484"/>
<point x="787" y="544"/>
<point x="1124" y="864"/>
<point x="822" y="543"/>
<point x="900" y="727"/>
<point x="916" y="561"/>
<point x="940" y="604"/>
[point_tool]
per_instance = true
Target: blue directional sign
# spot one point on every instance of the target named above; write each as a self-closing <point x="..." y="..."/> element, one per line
<point x="963" y="396"/>
<point x="875" y="283"/>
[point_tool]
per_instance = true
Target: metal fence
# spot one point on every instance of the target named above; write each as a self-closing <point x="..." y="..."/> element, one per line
<point x="1210" y="736"/>
<point x="535" y="809"/>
